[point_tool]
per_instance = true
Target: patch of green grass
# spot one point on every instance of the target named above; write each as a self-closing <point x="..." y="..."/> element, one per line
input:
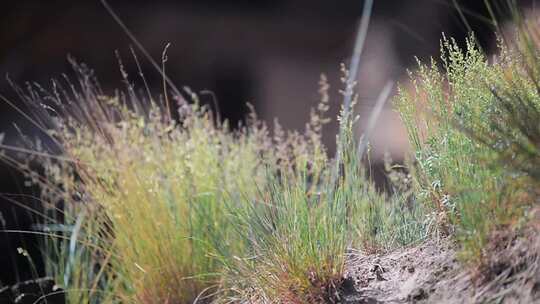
<point x="296" y="244"/>
<point x="155" y="209"/>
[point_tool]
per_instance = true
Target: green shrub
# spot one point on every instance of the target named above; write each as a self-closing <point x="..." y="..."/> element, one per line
<point x="463" y="118"/>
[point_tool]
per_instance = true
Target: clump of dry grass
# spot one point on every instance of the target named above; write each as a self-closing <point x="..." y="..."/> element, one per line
<point x="145" y="211"/>
<point x="146" y="208"/>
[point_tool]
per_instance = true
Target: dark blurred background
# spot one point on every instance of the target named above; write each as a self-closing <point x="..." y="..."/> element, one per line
<point x="269" y="53"/>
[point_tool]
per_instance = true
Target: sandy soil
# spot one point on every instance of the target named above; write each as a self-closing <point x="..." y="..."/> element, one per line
<point x="430" y="273"/>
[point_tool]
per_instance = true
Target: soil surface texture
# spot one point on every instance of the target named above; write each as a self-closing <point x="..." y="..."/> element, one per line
<point x="431" y="273"/>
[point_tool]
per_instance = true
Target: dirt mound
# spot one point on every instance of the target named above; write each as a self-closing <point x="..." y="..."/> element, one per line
<point x="431" y="273"/>
<point x="406" y="275"/>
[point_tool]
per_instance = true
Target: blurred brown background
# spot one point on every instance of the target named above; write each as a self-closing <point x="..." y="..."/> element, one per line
<point x="266" y="52"/>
